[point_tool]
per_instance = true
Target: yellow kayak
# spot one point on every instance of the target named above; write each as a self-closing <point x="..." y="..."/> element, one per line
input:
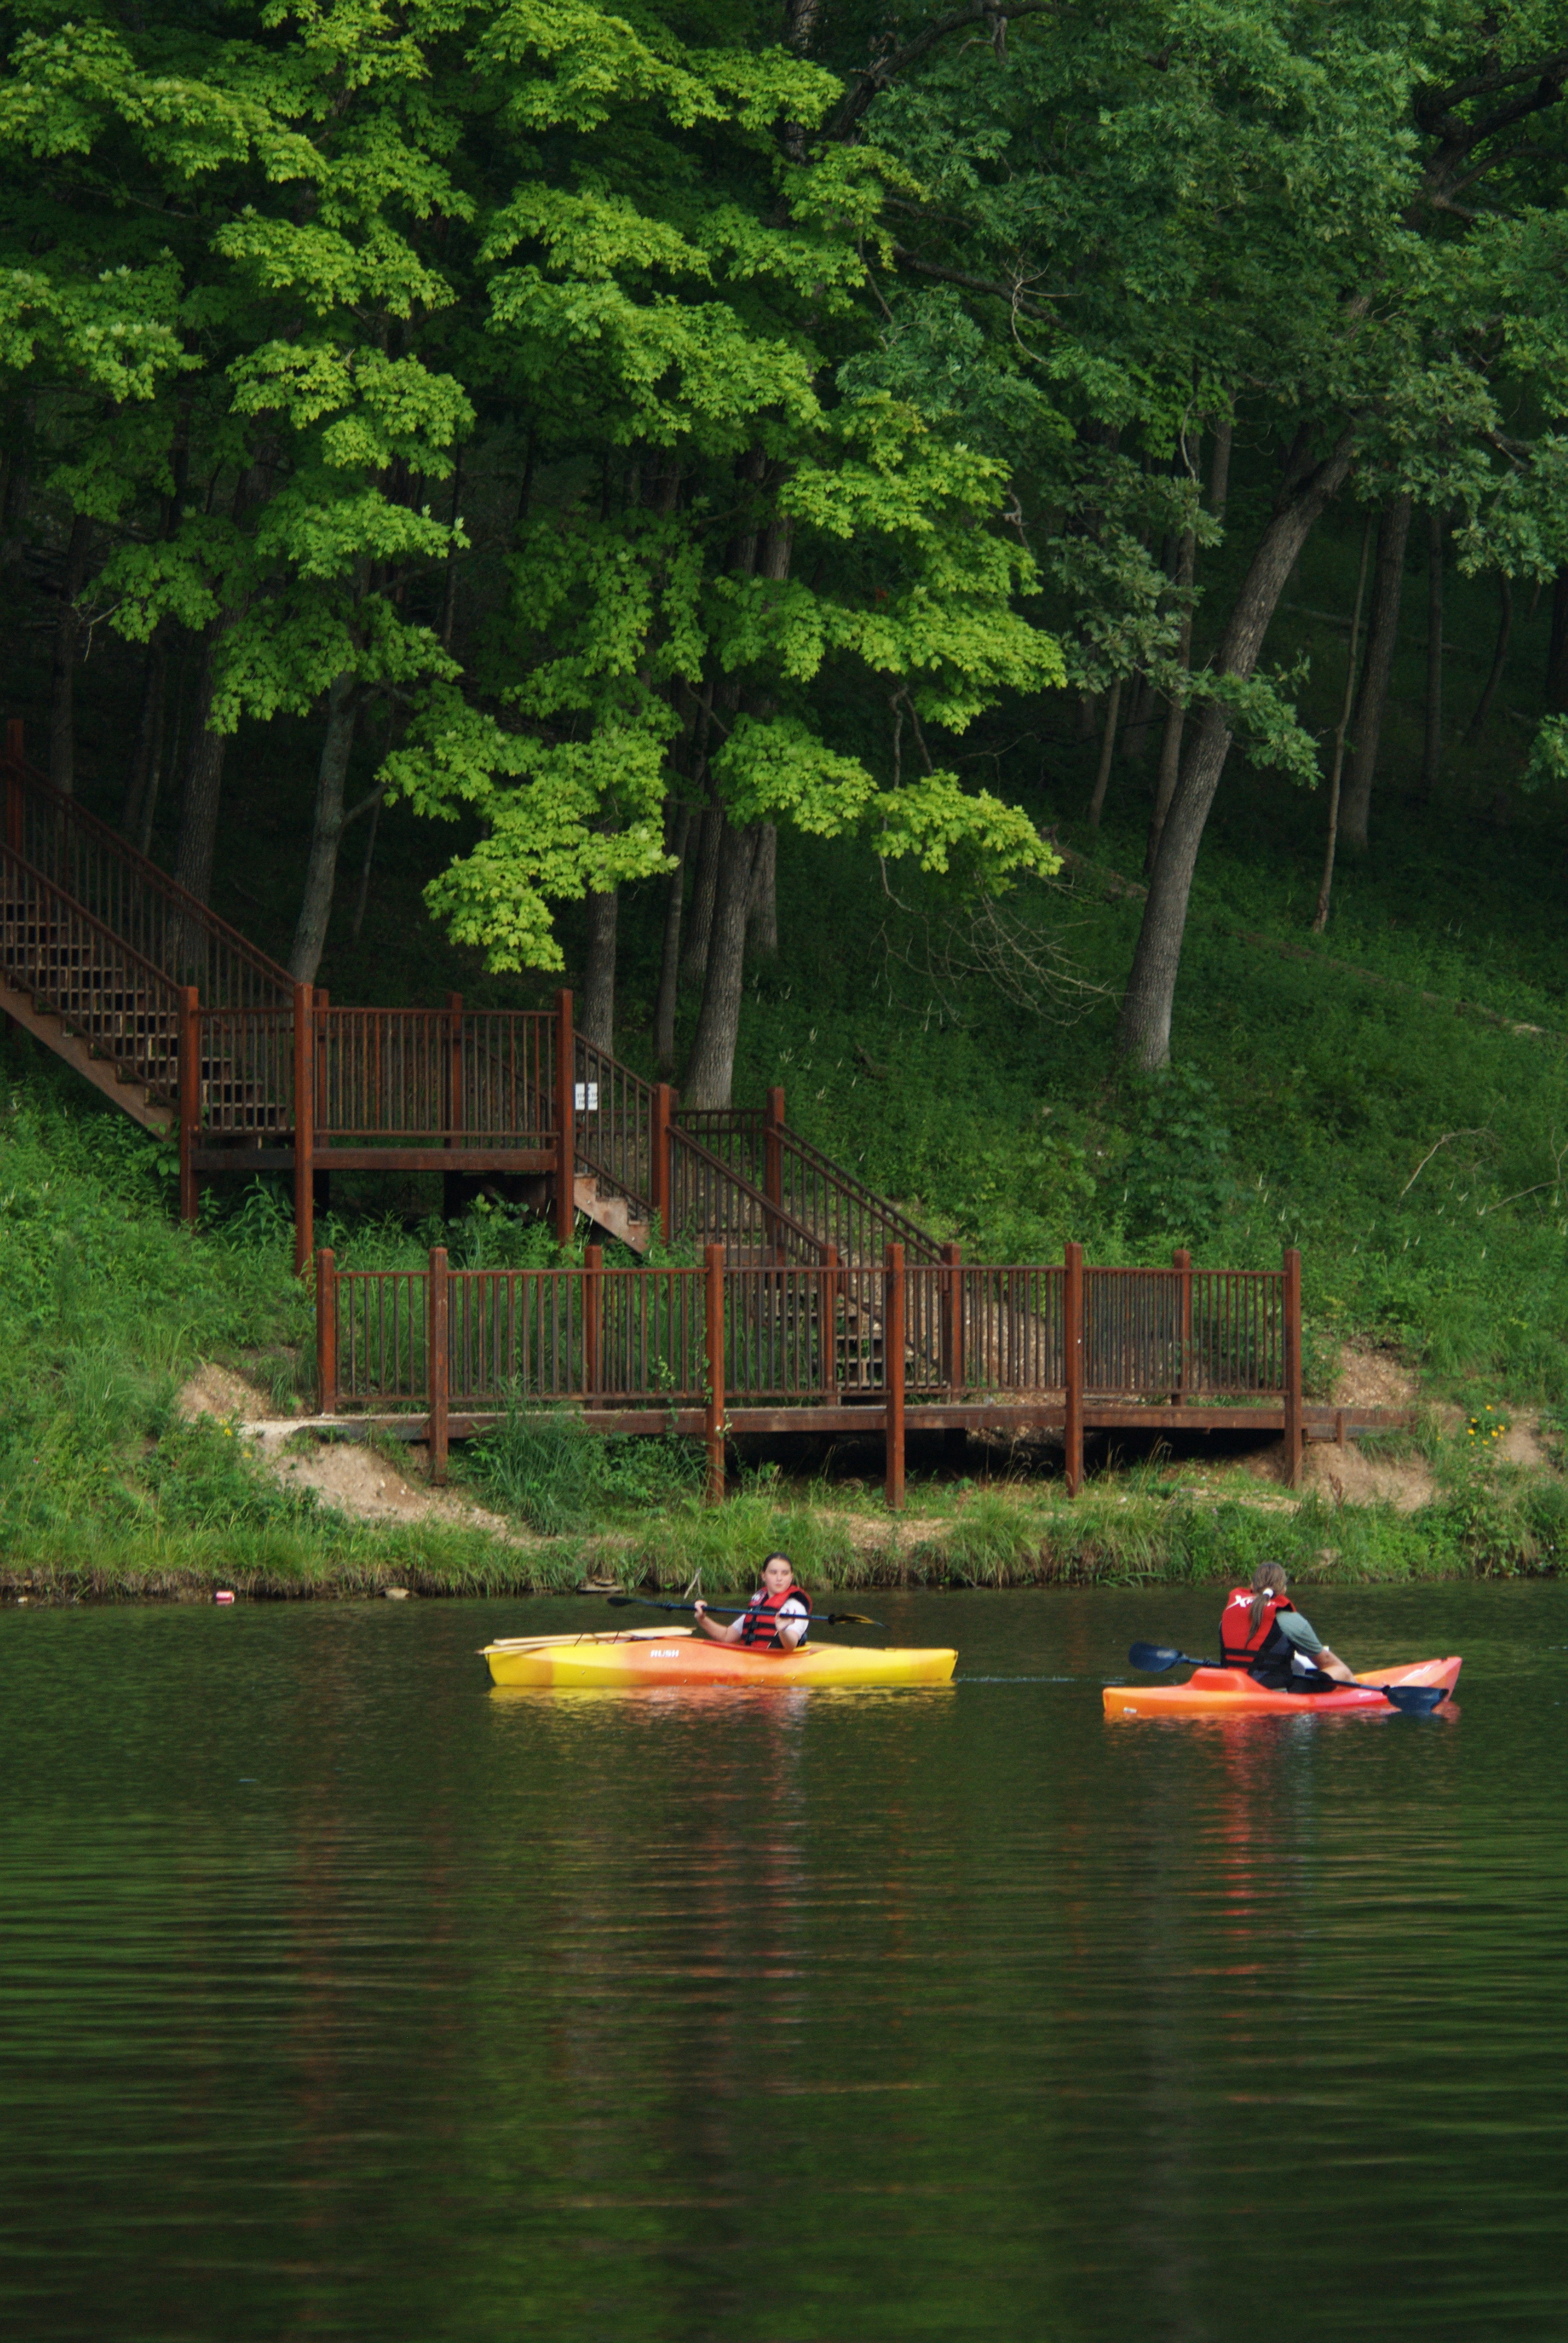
<point x="676" y="1655"/>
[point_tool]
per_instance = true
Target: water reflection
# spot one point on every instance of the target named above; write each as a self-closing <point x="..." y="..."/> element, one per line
<point x="343" y="1994"/>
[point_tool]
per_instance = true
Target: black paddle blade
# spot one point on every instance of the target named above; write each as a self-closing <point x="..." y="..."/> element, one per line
<point x="1414" y="1700"/>
<point x="1154" y="1659"/>
<point x="850" y="1619"/>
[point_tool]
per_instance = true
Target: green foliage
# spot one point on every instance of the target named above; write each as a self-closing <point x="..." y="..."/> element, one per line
<point x="544" y="1466"/>
<point x="1180" y="1177"/>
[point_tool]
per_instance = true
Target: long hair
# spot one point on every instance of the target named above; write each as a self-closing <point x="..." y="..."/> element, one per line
<point x="1268" y="1579"/>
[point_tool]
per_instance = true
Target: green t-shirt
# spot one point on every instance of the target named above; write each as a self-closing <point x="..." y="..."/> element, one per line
<point x="1299" y="1631"/>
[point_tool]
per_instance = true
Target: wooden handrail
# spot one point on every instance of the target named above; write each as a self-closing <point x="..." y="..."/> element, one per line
<point x="192" y="911"/>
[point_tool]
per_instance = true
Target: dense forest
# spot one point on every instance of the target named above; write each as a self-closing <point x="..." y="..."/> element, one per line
<point x="1005" y="567"/>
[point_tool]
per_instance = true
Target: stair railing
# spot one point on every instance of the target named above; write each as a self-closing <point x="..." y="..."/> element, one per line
<point x="820" y="1194"/>
<point x="625" y="1132"/>
<point x="60" y="953"/>
<point x="142" y="906"/>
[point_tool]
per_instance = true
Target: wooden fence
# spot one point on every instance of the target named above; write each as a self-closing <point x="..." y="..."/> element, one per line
<point x="796" y="1347"/>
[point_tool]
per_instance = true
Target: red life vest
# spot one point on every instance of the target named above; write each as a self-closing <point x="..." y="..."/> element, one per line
<point x="1242" y="1646"/>
<point x="760" y="1622"/>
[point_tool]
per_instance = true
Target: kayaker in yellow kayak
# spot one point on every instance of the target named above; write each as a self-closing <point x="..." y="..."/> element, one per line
<point x="1262" y="1631"/>
<point x="774" y="1620"/>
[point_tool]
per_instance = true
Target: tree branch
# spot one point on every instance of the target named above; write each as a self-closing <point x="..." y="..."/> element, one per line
<point x="1459" y="140"/>
<point x="1431" y="109"/>
<point x="875" y="77"/>
<point x="1011" y="294"/>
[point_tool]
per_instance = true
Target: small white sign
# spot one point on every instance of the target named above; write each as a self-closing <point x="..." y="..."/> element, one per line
<point x="587" y="1100"/>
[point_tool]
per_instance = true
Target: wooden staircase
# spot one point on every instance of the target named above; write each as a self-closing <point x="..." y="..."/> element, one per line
<point x="186" y="1026"/>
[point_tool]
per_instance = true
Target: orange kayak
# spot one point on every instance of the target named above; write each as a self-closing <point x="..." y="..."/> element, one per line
<point x="674" y="1655"/>
<point x="1231" y="1692"/>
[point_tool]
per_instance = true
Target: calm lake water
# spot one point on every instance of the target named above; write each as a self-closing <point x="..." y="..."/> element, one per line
<point x="341" y="1996"/>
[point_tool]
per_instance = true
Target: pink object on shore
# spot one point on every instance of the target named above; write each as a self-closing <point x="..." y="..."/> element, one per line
<point x="223" y="1596"/>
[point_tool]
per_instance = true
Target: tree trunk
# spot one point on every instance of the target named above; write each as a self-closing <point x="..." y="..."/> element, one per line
<point x="1326" y="884"/>
<point x="449" y="597"/>
<point x="1107" y="751"/>
<point x="147" y="764"/>
<point x="762" y="920"/>
<point x="1220" y="469"/>
<point x="1135" y="736"/>
<point x="67" y="646"/>
<point x="363" y="897"/>
<point x="1383" y="634"/>
<point x="699" y="916"/>
<point x="168" y="751"/>
<point x="711" y="1068"/>
<point x="204" y="777"/>
<point x="670" y="952"/>
<point x="327" y="836"/>
<point x="1557" y="647"/>
<point x="1186" y="574"/>
<point x="1143" y="1034"/>
<point x="1499" y="656"/>
<point x="1431" y="745"/>
<point x="597" y="1022"/>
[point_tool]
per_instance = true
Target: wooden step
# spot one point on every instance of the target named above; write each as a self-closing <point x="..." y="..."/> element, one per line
<point x="613" y="1214"/>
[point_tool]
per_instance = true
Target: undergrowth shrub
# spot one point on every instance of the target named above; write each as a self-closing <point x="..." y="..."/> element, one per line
<point x="202" y="1474"/>
<point x="545" y="1467"/>
<point x="1179" y="1179"/>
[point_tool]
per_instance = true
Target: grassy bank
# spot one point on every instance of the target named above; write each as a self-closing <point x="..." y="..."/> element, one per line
<point x="1126" y="1530"/>
<point x="107" y="1490"/>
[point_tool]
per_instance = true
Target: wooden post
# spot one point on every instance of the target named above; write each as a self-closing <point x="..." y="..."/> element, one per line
<point x="952" y="1288"/>
<point x="188" y="1069"/>
<point x="1181" y="1262"/>
<point x="439" y="1363"/>
<point x="15" y="761"/>
<point x="893" y="1374"/>
<point x="1073" y="1359"/>
<point x="773" y="1163"/>
<point x="566" y="1123"/>
<point x="304" y="1127"/>
<point x="327" y="1332"/>
<point x="1292" y="1367"/>
<point x="713" y="1296"/>
<point x="658" y="1170"/>
<point x="593" y="1316"/>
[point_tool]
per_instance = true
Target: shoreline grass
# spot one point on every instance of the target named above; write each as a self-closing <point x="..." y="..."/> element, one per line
<point x="1000" y="1537"/>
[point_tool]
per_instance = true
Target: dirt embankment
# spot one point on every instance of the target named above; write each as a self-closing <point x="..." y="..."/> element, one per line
<point x="359" y="1479"/>
<point x="351" y="1475"/>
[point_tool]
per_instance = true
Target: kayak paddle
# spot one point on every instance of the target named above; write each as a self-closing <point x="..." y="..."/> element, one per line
<point x="739" y="1610"/>
<point x="1412" y="1700"/>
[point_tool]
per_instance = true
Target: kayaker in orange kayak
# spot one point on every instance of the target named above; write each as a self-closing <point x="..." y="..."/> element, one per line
<point x="1261" y="1630"/>
<point x="774" y="1620"/>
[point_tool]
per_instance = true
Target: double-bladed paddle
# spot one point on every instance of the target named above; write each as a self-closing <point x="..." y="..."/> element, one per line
<point x="1412" y="1700"/>
<point x="738" y="1610"/>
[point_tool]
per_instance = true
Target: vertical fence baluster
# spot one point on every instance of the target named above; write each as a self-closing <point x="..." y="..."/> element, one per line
<point x="1292" y="1317"/>
<point x="893" y="1374"/>
<point x="188" y="1073"/>
<point x="327" y="1332"/>
<point x="713" y="1332"/>
<point x="439" y="1363"/>
<point x="1072" y="1348"/>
